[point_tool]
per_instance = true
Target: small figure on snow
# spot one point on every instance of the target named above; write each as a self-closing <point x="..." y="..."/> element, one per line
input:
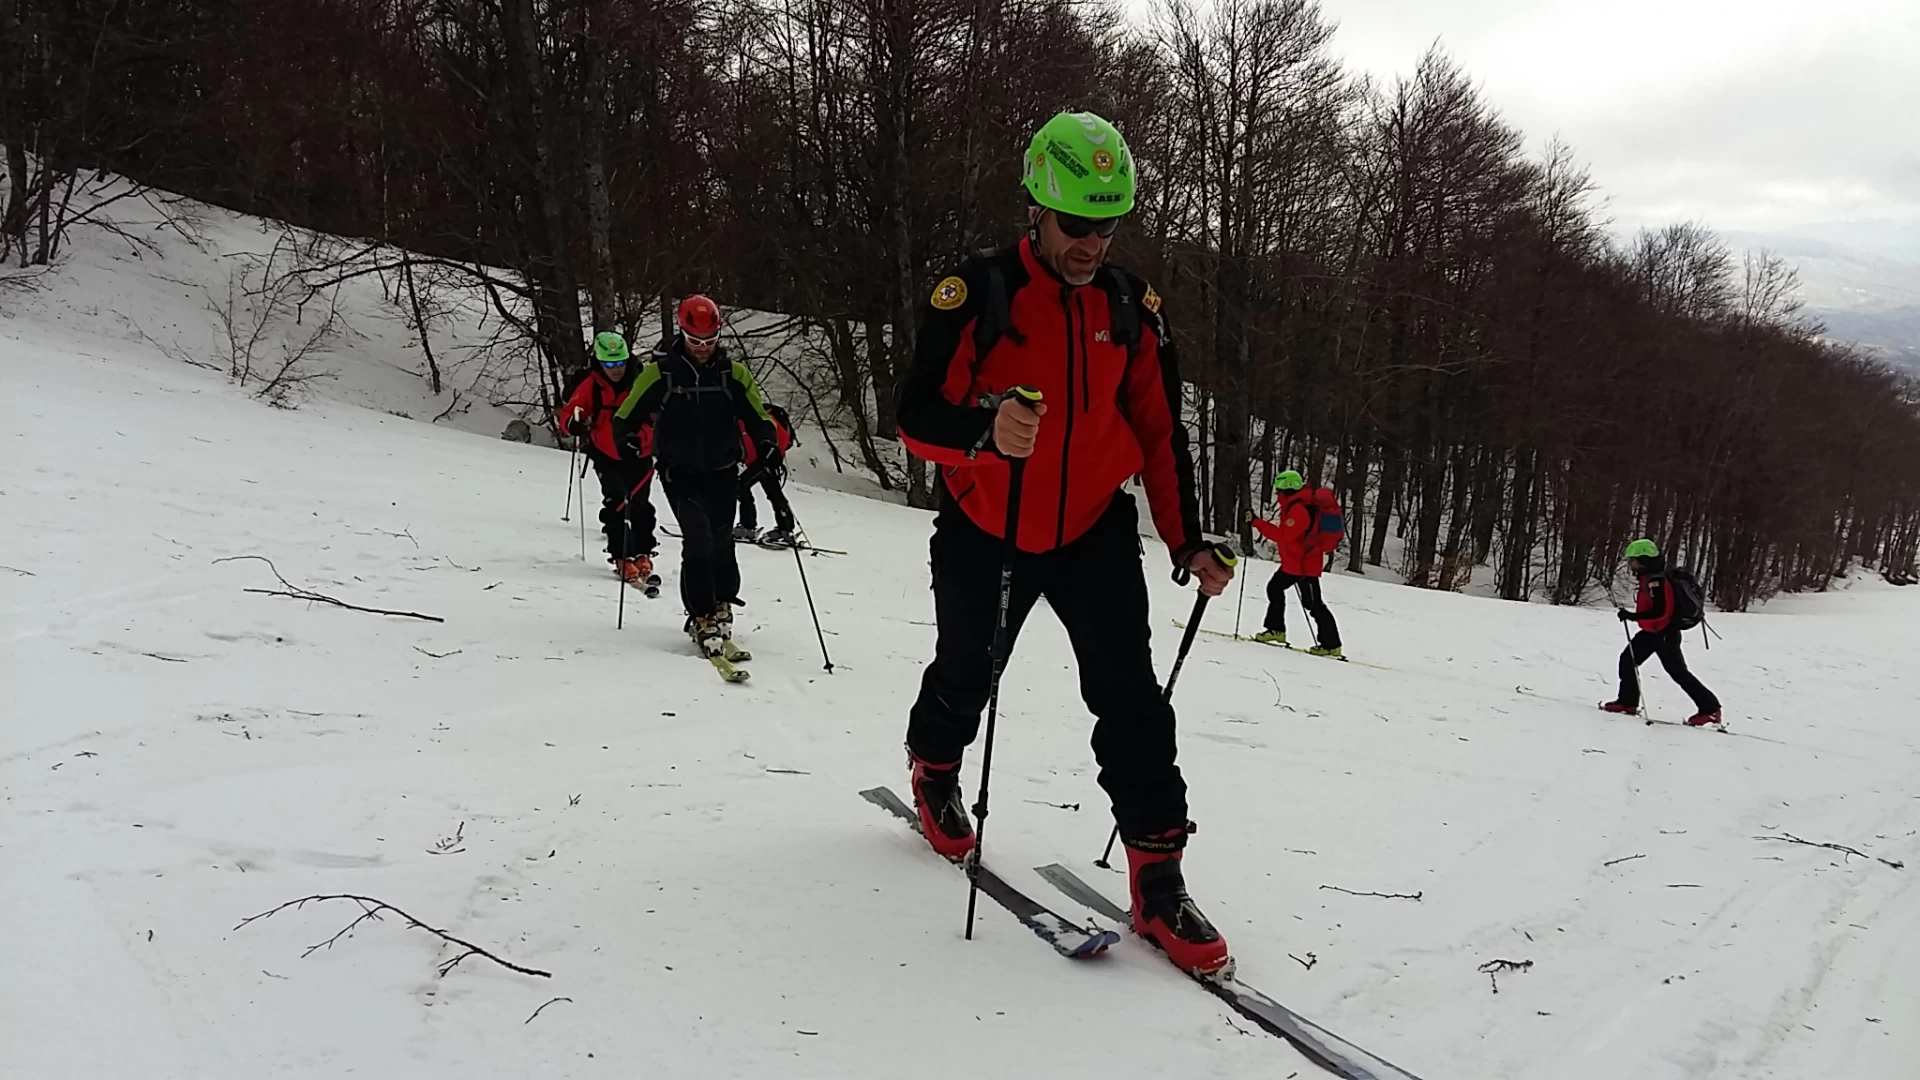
<point x="1668" y="604"/>
<point x="769" y="480"/>
<point x="698" y="399"/>
<point x="1309" y="528"/>
<point x="625" y="471"/>
<point x="1051" y="315"/>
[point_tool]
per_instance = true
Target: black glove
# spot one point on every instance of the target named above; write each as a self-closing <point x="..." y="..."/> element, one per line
<point x="770" y="458"/>
<point x="1625" y="615"/>
<point x="630" y="445"/>
<point x="578" y="427"/>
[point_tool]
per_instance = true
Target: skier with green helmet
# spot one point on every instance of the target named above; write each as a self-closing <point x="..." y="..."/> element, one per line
<point x="1668" y="605"/>
<point x="625" y="472"/>
<point x="1308" y="529"/>
<point x="1047" y="353"/>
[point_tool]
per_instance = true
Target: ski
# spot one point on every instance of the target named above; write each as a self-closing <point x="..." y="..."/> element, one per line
<point x="1289" y="648"/>
<point x="728" y="673"/>
<point x="1320" y="1046"/>
<point x="804" y="548"/>
<point x="734" y="653"/>
<point x="1068" y="938"/>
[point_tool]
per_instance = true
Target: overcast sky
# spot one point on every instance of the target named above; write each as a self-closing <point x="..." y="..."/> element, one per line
<point x="1753" y="114"/>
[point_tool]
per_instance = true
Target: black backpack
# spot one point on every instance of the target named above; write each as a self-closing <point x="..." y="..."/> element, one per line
<point x="1689" y="602"/>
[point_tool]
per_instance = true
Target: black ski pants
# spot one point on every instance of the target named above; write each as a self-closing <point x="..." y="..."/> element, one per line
<point x="703" y="504"/>
<point x="625" y="484"/>
<point x="1097" y="587"/>
<point x="1326" y="632"/>
<point x="1666" y="645"/>
<point x="782" y="510"/>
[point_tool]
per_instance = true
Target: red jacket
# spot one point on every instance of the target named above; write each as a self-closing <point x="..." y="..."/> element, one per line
<point x="594" y="401"/>
<point x="782" y="435"/>
<point x="1655" y="603"/>
<point x="1112" y="411"/>
<point x="1296" y="537"/>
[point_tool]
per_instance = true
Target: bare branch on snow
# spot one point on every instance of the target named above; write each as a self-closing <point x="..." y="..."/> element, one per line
<point x="371" y="908"/>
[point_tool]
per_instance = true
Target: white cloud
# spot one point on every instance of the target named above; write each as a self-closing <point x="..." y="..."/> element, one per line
<point x="1738" y="113"/>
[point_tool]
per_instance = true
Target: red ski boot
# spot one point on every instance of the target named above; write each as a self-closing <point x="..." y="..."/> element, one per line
<point x="1619" y="707"/>
<point x="1164" y="914"/>
<point x="1705" y="719"/>
<point x="943" y="814"/>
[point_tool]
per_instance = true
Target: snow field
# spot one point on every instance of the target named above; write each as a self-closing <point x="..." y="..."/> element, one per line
<point x="177" y="754"/>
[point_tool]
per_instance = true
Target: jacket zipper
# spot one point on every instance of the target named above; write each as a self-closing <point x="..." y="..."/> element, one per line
<point x="1066" y="447"/>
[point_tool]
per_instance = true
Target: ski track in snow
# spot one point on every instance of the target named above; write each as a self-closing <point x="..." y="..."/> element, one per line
<point x="177" y="754"/>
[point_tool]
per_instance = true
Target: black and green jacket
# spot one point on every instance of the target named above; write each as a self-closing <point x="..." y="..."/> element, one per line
<point x="698" y="410"/>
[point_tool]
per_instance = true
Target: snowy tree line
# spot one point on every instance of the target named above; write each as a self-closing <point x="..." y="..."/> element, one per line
<point x="1376" y="284"/>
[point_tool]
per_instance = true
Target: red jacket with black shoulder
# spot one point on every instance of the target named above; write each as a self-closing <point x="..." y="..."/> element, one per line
<point x="594" y="401"/>
<point x="1294" y="535"/>
<point x="1113" y="409"/>
<point x="1653" y="607"/>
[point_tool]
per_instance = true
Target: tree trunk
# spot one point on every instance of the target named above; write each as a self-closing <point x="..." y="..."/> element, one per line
<point x="593" y="158"/>
<point x="557" y="293"/>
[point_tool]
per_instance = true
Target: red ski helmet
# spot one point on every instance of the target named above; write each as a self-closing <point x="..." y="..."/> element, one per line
<point x="699" y="318"/>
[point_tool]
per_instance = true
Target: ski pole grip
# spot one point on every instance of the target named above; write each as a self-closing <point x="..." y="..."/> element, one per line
<point x="1221" y="553"/>
<point x="1025" y="395"/>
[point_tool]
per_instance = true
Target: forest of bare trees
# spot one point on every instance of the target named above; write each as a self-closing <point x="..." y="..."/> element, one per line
<point x="1380" y="285"/>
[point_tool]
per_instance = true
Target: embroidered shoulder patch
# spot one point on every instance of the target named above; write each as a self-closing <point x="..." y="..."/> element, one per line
<point x="1151" y="301"/>
<point x="949" y="294"/>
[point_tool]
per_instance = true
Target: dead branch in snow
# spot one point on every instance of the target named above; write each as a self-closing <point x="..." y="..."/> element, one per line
<point x="298" y="593"/>
<point x="1382" y="895"/>
<point x="1789" y="838"/>
<point x="1617" y="862"/>
<point x="542" y="1008"/>
<point x="371" y="908"/>
<point x="1307" y="963"/>
<point x="1492" y="968"/>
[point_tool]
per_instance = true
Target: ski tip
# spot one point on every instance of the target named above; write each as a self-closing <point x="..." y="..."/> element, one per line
<point x="1096" y="945"/>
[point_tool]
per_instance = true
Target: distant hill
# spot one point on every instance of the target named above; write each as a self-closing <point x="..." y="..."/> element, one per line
<point x="1860" y="279"/>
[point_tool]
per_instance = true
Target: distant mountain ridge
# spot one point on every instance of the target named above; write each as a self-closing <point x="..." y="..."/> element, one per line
<point x="1860" y="279"/>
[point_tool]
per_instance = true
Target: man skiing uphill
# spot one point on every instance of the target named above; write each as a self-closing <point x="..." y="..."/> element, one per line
<point x="698" y="398"/>
<point x="1309" y="528"/>
<point x="626" y="473"/>
<point x="1667" y="606"/>
<point x="1049" y="315"/>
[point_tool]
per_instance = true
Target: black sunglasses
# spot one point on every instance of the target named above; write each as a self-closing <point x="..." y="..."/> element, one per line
<point x="1079" y="228"/>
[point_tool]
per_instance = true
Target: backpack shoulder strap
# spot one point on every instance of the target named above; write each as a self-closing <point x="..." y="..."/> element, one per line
<point x="996" y="316"/>
<point x="1123" y="305"/>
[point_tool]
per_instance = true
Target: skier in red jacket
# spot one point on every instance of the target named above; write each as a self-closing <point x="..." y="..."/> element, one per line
<point x="626" y="478"/>
<point x="1654" y="611"/>
<point x="1052" y="315"/>
<point x="1304" y="541"/>
<point x="768" y="479"/>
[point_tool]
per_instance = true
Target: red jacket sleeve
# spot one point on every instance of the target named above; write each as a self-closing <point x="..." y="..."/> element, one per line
<point x="1268" y="529"/>
<point x="937" y="422"/>
<point x="1153" y="411"/>
<point x="581" y="399"/>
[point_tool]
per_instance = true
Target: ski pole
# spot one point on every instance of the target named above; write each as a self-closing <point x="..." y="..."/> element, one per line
<point x="583" y="508"/>
<point x="1238" y="608"/>
<point x="1227" y="558"/>
<point x="626" y="545"/>
<point x="567" y="513"/>
<point x="801" y="564"/>
<point x="1010" y="552"/>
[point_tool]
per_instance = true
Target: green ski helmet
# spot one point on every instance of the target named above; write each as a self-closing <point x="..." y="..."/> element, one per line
<point x="1289" y="481"/>
<point x="1643" y="549"/>
<point x="609" y="348"/>
<point x="1079" y="164"/>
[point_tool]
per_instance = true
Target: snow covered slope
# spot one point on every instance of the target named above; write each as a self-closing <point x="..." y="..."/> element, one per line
<point x="690" y="860"/>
